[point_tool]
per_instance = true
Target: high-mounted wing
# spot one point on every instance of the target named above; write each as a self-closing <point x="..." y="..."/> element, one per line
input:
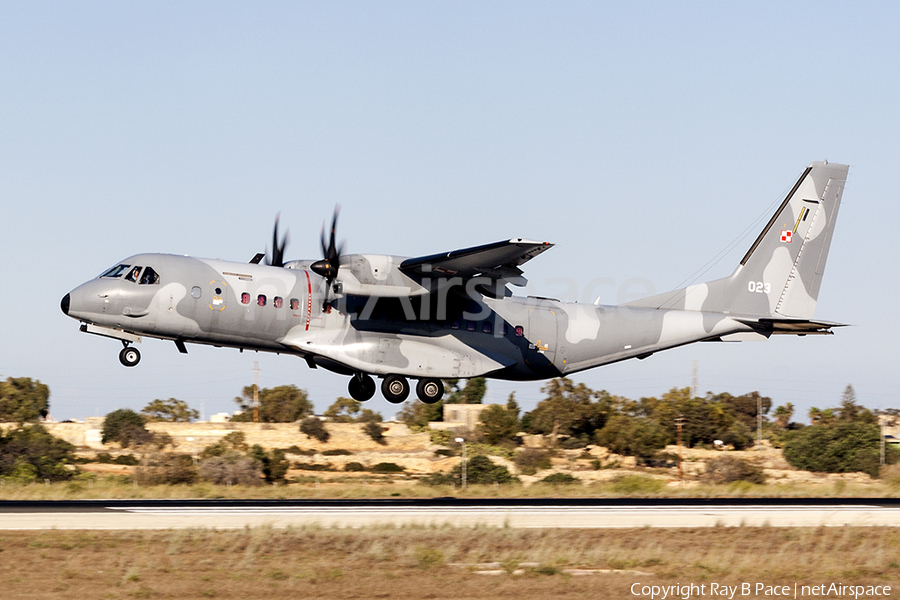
<point x="500" y="260"/>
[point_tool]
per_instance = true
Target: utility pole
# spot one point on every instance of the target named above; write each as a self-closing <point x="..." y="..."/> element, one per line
<point x="679" y="421"/>
<point x="759" y="421"/>
<point x="462" y="441"/>
<point x="694" y="380"/>
<point x="881" y="420"/>
<point x="256" y="392"/>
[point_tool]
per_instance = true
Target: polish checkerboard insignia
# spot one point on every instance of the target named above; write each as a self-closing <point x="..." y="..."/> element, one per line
<point x="786" y="236"/>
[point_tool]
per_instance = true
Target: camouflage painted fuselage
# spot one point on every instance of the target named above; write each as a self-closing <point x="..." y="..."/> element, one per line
<point x="218" y="303"/>
<point x="452" y="316"/>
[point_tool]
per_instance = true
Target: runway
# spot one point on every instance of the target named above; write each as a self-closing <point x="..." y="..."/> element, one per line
<point x="521" y="513"/>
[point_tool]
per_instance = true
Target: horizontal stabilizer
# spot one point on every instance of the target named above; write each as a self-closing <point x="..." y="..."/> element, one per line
<point x="791" y="326"/>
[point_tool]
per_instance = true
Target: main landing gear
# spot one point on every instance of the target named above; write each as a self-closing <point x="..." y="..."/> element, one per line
<point x="129" y="356"/>
<point x="361" y="387"/>
<point x="395" y="388"/>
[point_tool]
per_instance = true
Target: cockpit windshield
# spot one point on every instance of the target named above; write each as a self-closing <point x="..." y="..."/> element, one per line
<point x="150" y="277"/>
<point x="146" y="274"/>
<point x="116" y="271"/>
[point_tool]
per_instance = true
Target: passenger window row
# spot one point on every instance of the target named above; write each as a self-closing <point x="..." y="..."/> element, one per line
<point x="277" y="301"/>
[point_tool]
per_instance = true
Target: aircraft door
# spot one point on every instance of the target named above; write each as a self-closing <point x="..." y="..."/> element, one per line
<point x="542" y="334"/>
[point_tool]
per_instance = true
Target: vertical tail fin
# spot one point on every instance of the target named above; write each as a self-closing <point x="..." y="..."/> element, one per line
<point x="781" y="274"/>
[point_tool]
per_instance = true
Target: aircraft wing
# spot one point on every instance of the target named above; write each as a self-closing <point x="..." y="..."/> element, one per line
<point x="791" y="326"/>
<point x="500" y="260"/>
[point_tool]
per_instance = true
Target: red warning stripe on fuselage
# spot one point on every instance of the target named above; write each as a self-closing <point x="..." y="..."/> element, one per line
<point x="308" y="300"/>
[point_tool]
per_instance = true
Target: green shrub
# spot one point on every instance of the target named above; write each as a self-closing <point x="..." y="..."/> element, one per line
<point x="336" y="452"/>
<point x="479" y="469"/>
<point x="125" y="427"/>
<point x="314" y="428"/>
<point x="728" y="469"/>
<point x="560" y="479"/>
<point x="313" y="467"/>
<point x="632" y="436"/>
<point x="30" y="453"/>
<point x="231" y="468"/>
<point x="166" y="469"/>
<point x="532" y="460"/>
<point x="300" y="451"/>
<point x="127" y="459"/>
<point x="354" y="466"/>
<point x="375" y="431"/>
<point x="844" y="447"/>
<point x="387" y="467"/>
<point x="274" y="464"/>
<point x="236" y="441"/>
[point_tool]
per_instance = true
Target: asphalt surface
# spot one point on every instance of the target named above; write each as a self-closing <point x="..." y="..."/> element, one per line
<point x="493" y="512"/>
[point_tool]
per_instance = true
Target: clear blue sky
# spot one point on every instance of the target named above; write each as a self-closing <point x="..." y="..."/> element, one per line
<point x="641" y="138"/>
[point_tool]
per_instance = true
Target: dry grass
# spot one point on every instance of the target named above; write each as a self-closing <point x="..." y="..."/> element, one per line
<point x="402" y="486"/>
<point x="422" y="562"/>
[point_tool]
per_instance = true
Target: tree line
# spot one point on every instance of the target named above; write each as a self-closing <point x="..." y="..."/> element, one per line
<point x="845" y="438"/>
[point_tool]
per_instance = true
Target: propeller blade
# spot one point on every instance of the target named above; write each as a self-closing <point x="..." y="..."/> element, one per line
<point x="331" y="252"/>
<point x="277" y="259"/>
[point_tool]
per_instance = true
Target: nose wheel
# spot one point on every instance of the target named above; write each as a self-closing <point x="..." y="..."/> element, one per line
<point x="429" y="390"/>
<point x="395" y="388"/>
<point x="361" y="387"/>
<point x="129" y="356"/>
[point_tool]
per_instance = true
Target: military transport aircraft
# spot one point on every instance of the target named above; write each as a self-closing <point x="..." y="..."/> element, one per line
<point x="452" y="315"/>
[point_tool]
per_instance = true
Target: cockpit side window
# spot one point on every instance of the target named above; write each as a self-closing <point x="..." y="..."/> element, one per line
<point x="133" y="274"/>
<point x="116" y="271"/>
<point x="150" y="277"/>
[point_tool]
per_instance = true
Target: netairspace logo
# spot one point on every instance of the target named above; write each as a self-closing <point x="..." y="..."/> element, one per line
<point x="756" y="590"/>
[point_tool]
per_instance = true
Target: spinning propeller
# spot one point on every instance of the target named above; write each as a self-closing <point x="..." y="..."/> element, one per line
<point x="329" y="265"/>
<point x="277" y="259"/>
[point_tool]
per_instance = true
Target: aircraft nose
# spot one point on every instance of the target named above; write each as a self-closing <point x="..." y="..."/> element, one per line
<point x="64" y="304"/>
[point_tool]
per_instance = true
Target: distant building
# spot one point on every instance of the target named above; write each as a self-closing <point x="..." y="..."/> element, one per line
<point x="459" y="416"/>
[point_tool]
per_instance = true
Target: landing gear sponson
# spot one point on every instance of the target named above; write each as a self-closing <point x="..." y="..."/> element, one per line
<point x="395" y="388"/>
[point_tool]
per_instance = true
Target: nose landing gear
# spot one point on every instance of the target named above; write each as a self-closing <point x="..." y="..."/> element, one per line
<point x="129" y="356"/>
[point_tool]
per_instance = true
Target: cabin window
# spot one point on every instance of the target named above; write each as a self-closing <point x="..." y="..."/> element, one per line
<point x="261" y="300"/>
<point x="295" y="304"/>
<point x="520" y="331"/>
<point x="133" y="274"/>
<point x="470" y="325"/>
<point x="278" y="302"/>
<point x="195" y="292"/>
<point x="454" y="325"/>
<point x="486" y="327"/>
<point x="245" y="298"/>
<point x="116" y="271"/>
<point x="150" y="277"/>
<point x="505" y="329"/>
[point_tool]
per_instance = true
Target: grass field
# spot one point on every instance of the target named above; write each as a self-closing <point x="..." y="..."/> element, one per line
<point x="445" y="562"/>
<point x="385" y="487"/>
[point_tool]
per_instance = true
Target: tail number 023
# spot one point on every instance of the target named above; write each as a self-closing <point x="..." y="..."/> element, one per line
<point x="759" y="287"/>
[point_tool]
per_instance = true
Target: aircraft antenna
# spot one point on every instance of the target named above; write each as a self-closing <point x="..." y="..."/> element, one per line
<point x="256" y="392"/>
<point x="730" y="245"/>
